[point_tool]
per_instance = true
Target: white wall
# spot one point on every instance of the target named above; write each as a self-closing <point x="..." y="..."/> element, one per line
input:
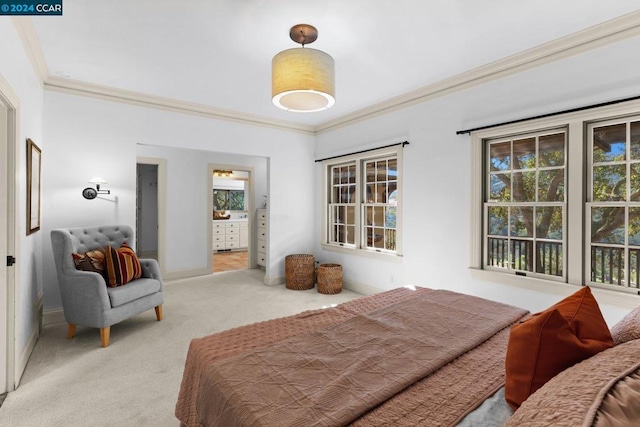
<point x="188" y="212"/>
<point x="436" y="189"/>
<point x="88" y="137"/>
<point x="17" y="71"/>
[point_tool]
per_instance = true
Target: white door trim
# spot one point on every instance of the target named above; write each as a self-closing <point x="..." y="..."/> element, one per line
<point x="11" y="102"/>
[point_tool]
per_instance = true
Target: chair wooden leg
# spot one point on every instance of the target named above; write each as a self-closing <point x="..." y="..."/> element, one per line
<point x="104" y="335"/>
<point x="159" y="312"/>
<point x="71" y="331"/>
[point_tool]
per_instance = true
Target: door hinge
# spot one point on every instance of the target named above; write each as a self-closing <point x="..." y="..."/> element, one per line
<point x="10" y="260"/>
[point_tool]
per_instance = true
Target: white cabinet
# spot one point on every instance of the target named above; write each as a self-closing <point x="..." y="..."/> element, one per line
<point x="230" y="235"/>
<point x="261" y="221"/>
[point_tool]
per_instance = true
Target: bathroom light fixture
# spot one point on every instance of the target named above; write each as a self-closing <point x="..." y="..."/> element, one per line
<point x="222" y="173"/>
<point x="303" y="80"/>
<point x="91" y="193"/>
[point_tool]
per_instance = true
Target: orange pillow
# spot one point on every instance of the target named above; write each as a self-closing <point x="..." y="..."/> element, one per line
<point x="549" y="342"/>
<point x="122" y="265"/>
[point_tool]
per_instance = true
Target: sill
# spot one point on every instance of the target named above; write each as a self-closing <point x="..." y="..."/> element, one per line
<point x="621" y="299"/>
<point x="381" y="256"/>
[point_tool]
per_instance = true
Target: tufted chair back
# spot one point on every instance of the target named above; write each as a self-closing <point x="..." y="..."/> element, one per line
<point x="83" y="239"/>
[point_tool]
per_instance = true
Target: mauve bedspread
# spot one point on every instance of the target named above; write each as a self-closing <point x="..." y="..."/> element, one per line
<point x="303" y="371"/>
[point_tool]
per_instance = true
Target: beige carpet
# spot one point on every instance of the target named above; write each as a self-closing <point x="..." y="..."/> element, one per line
<point x="135" y="381"/>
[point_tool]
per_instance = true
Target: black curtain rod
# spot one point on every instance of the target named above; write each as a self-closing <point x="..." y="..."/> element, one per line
<point x="542" y="116"/>
<point x="364" y="151"/>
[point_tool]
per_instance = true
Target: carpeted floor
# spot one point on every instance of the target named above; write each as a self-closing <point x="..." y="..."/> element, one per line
<point x="135" y="381"/>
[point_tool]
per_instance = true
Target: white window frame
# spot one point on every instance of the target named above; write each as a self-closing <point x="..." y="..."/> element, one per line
<point x="535" y="204"/>
<point x="359" y="246"/>
<point x="622" y="204"/>
<point x="575" y="190"/>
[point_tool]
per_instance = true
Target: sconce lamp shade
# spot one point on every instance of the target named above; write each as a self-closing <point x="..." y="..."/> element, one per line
<point x="97" y="180"/>
<point x="303" y="80"/>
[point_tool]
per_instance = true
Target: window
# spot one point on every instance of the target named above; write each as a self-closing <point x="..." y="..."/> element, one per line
<point x="363" y="201"/>
<point x="228" y="200"/>
<point x="525" y="203"/>
<point x="613" y="208"/>
<point x="559" y="199"/>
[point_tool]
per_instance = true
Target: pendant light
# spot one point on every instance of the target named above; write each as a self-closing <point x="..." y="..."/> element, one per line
<point x="303" y="79"/>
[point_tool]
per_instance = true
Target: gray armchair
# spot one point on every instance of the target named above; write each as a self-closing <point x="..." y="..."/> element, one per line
<point x="86" y="299"/>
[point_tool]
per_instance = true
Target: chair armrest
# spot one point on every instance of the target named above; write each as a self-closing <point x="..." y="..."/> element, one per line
<point x="151" y="270"/>
<point x="84" y="297"/>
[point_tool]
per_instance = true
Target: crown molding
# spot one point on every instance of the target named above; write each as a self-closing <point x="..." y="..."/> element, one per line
<point x="615" y="30"/>
<point x="77" y="87"/>
<point x="29" y="38"/>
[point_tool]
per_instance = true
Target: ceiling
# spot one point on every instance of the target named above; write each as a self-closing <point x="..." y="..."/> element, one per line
<point x="218" y="52"/>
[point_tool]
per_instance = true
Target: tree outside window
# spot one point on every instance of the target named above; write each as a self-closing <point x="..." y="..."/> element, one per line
<point x="228" y="200"/>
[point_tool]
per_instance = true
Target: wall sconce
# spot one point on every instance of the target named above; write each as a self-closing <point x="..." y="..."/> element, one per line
<point x="91" y="193"/>
<point x="222" y="173"/>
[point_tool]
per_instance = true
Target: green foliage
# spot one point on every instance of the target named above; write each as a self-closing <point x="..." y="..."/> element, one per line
<point x="228" y="200"/>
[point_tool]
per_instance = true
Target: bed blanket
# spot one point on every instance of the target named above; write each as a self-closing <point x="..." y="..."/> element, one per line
<point x="206" y="350"/>
<point x="333" y="376"/>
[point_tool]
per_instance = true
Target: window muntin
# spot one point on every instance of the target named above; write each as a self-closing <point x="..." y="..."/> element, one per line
<point x="363" y="202"/>
<point x="525" y="204"/>
<point x="342" y="205"/>
<point x="613" y="205"/>
<point x="379" y="205"/>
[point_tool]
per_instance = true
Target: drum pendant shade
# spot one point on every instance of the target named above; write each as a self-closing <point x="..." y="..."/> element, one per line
<point x="303" y="79"/>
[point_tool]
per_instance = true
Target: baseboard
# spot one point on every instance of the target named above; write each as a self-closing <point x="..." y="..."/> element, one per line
<point x="274" y="280"/>
<point x="360" y="288"/>
<point x="185" y="274"/>
<point x="51" y="317"/>
<point x="36" y="324"/>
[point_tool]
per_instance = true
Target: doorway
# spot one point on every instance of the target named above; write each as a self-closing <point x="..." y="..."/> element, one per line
<point x="232" y="195"/>
<point x="8" y="242"/>
<point x="150" y="187"/>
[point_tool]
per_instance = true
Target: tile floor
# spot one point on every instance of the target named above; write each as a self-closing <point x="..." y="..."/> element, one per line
<point x="225" y="261"/>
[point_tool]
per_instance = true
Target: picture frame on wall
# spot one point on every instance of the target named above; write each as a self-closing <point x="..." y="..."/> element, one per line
<point x="34" y="169"/>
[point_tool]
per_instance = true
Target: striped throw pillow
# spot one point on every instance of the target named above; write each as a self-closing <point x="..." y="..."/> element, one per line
<point x="122" y="265"/>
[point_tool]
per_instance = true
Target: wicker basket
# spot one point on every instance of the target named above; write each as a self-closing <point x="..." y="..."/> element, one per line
<point x="329" y="278"/>
<point x="300" y="271"/>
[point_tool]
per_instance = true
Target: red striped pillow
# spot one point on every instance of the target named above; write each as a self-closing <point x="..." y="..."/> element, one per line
<point x="122" y="265"/>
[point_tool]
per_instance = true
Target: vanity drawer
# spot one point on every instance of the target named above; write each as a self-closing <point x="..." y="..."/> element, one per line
<point x="230" y="245"/>
<point x="262" y="223"/>
<point x="217" y="231"/>
<point x="262" y="233"/>
<point x="218" y="225"/>
<point x="262" y="246"/>
<point x="218" y="238"/>
<point x="218" y="246"/>
<point x="230" y="230"/>
<point x="262" y="214"/>
<point x="231" y="238"/>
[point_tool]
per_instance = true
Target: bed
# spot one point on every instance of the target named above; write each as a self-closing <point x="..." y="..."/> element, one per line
<point x="406" y="357"/>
